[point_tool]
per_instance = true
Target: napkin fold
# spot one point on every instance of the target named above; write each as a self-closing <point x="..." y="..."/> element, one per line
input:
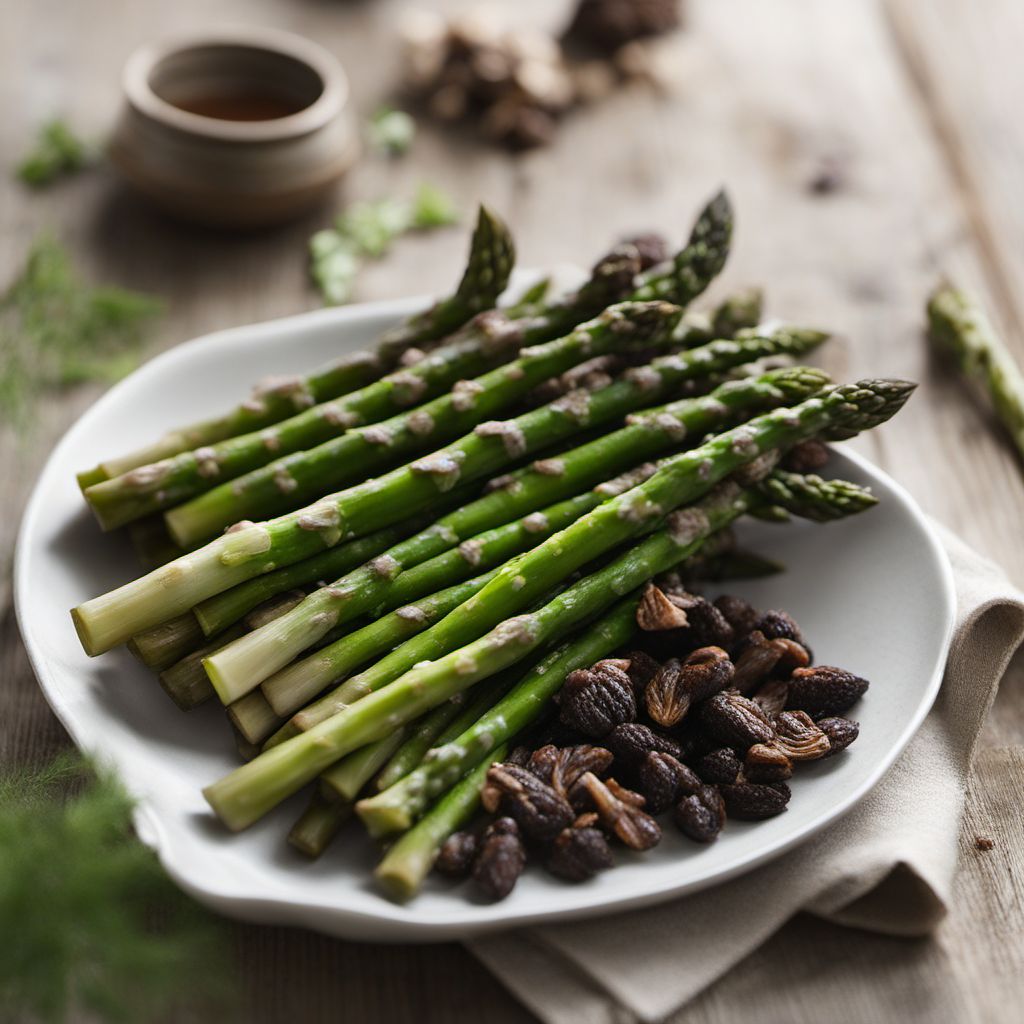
<point x="887" y="866"/>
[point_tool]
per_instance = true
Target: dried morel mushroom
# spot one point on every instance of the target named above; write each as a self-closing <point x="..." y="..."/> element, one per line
<point x="776" y="623"/>
<point x="824" y="690"/>
<point x="664" y="779"/>
<point x="456" y="856"/>
<point x="677" y="686"/>
<point x="736" y="722"/>
<point x="720" y="766"/>
<point x="535" y="807"/>
<point x="501" y="859"/>
<point x="752" y="801"/>
<point x="739" y="613"/>
<point x="641" y="671"/>
<point x="701" y="815"/>
<point x="799" y="738"/>
<point x="657" y="612"/>
<point x="632" y="742"/>
<point x="771" y="696"/>
<point x="621" y="812"/>
<point x="760" y="658"/>
<point x="562" y="767"/>
<point x="579" y="853"/>
<point x="765" y="762"/>
<point x="841" y="732"/>
<point x="594" y="700"/>
<point x="609" y="24"/>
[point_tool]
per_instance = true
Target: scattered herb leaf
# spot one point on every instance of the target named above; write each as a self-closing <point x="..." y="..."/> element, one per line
<point x="57" y="152"/>
<point x="392" y="131"/>
<point x="93" y="922"/>
<point x="366" y="230"/>
<point x="56" y="331"/>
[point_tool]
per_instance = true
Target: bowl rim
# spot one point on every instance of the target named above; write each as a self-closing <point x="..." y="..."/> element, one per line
<point x="140" y="95"/>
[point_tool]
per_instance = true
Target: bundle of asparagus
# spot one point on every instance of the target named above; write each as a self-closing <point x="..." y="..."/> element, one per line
<point x="431" y="573"/>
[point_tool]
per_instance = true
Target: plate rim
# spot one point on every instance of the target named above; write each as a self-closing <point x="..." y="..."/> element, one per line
<point x="383" y="926"/>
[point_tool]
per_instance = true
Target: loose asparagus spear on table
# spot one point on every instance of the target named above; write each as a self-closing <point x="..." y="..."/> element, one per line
<point x="959" y="326"/>
<point x="491" y="257"/>
<point x="250" y="791"/>
<point x="250" y="550"/>
<point x="246" y="663"/>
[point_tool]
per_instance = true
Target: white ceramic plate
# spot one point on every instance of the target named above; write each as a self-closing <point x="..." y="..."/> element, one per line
<point x="873" y="593"/>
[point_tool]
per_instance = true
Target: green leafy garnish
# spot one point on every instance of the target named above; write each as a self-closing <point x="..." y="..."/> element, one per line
<point x="366" y="230"/>
<point x="56" y="331"/>
<point x="57" y="152"/>
<point x="391" y="131"/>
<point x="92" y="923"/>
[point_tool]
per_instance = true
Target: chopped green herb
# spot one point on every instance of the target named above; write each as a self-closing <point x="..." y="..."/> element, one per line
<point x="366" y="230"/>
<point x="392" y="131"/>
<point x="93" y="923"/>
<point x="56" y="331"/>
<point x="58" y="151"/>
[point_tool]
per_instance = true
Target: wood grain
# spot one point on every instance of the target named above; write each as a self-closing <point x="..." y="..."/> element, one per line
<point x="930" y="153"/>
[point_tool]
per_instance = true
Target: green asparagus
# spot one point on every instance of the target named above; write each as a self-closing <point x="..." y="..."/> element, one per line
<point x="487" y="271"/>
<point x="246" y="663"/>
<point x="959" y="326"/>
<point x="461" y="661"/>
<point x="250" y="549"/>
<point x="318" y="825"/>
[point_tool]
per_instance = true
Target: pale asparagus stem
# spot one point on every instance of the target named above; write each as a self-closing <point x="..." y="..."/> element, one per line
<point x="160" y="647"/>
<point x="318" y="824"/>
<point x="333" y="464"/>
<point x="242" y="665"/>
<point x="346" y="779"/>
<point x="958" y="325"/>
<point x="254" y="549"/>
<point x="186" y="682"/>
<point x="294" y="686"/>
<point x="253" y="717"/>
<point x="488" y="268"/>
<point x="409" y="861"/>
<point x="397" y="806"/>
<point x="250" y="791"/>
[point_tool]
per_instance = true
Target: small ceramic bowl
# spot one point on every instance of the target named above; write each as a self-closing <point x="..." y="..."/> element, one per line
<point x="240" y="128"/>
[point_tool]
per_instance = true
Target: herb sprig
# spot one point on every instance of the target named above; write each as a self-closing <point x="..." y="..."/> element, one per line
<point x="92" y="922"/>
<point x="391" y="131"/>
<point x="56" y="331"/>
<point x="57" y="152"/>
<point x="366" y="230"/>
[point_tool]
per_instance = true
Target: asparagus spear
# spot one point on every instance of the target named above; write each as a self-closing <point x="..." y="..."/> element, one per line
<point x="244" y="664"/>
<point x="408" y="862"/>
<point x="318" y="824"/>
<point x="163" y="645"/>
<point x="346" y="779"/>
<point x="250" y="549"/>
<point x="305" y="473"/>
<point x="959" y="326"/>
<point x="491" y="256"/>
<point x="395" y="809"/>
<point x="250" y="791"/>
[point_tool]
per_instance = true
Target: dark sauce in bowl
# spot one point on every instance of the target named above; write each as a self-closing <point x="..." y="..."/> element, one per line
<point x="241" y="107"/>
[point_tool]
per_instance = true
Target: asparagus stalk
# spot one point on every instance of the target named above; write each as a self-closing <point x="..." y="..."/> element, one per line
<point x="245" y="663"/>
<point x="163" y="645"/>
<point x="959" y="326"/>
<point x="306" y="473"/>
<point x="318" y="824"/>
<point x="186" y="681"/>
<point x="491" y="256"/>
<point x="252" y="549"/>
<point x="250" y="791"/>
<point x="253" y="717"/>
<point x="409" y="861"/>
<point x="345" y="780"/>
<point x="152" y="543"/>
<point x="397" y="806"/>
<point x="294" y="686"/>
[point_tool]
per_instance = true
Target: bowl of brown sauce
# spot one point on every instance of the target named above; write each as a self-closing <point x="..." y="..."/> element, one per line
<point x="240" y="128"/>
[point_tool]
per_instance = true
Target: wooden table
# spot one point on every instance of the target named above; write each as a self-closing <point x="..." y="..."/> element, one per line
<point x="915" y="101"/>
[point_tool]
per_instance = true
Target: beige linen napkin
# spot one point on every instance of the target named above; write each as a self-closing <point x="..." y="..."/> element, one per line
<point x="887" y="866"/>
